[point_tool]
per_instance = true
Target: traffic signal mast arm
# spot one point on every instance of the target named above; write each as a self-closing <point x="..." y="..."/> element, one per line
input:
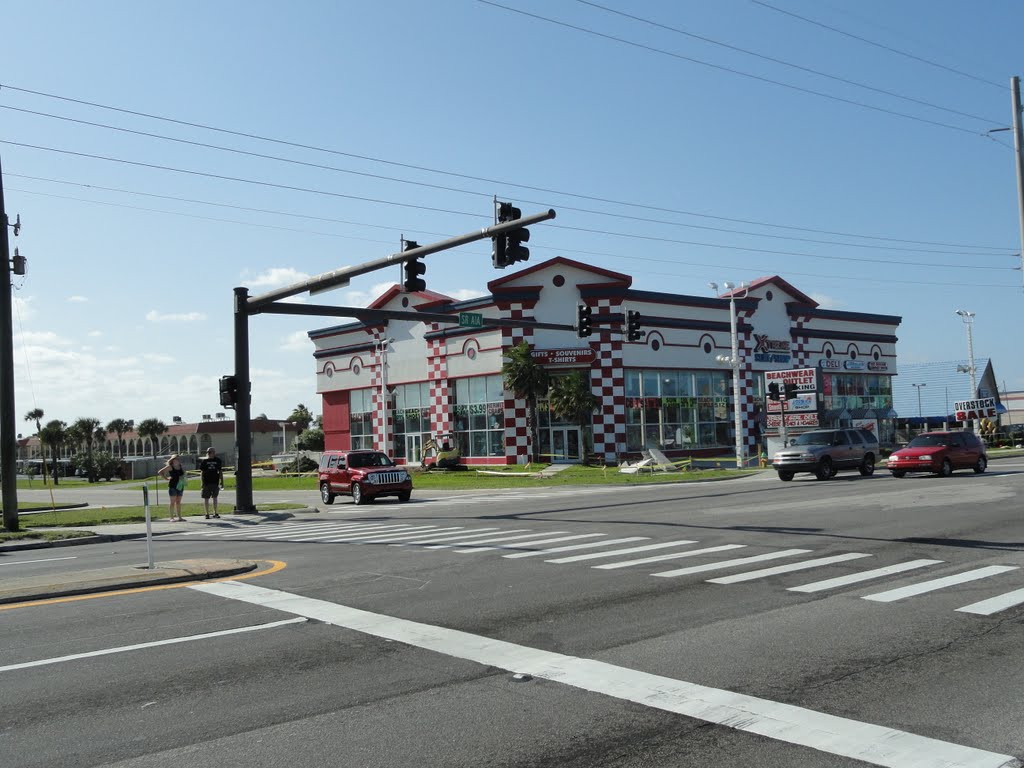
<point x="340" y="277"/>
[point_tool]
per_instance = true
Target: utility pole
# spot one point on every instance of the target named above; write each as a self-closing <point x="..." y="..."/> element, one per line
<point x="1018" y="144"/>
<point x="243" y="410"/>
<point x="8" y="440"/>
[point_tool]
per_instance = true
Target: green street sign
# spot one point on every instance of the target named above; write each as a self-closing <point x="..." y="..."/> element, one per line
<point x="471" y="319"/>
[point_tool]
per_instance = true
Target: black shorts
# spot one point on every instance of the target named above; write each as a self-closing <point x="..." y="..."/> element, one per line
<point x="211" y="490"/>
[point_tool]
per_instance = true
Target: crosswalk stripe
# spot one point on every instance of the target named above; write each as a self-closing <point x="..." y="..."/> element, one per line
<point x="489" y="539"/>
<point x="387" y="536"/>
<point x="856" y="578"/>
<point x="295" y="535"/>
<point x="460" y="534"/>
<point x="628" y="551"/>
<point x="995" y="604"/>
<point x="788" y="568"/>
<point x="730" y="563"/>
<point x="532" y="543"/>
<point x="283" y="529"/>
<point x="670" y="556"/>
<point x="572" y="547"/>
<point x="934" y="584"/>
<point x="404" y="530"/>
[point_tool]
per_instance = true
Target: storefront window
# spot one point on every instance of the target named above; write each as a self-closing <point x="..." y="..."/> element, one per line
<point x="671" y="410"/>
<point x="361" y="418"/>
<point x="411" y="418"/>
<point x="478" y="414"/>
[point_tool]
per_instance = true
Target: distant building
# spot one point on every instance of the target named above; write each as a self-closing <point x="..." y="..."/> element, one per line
<point x="395" y="385"/>
<point x="940" y="386"/>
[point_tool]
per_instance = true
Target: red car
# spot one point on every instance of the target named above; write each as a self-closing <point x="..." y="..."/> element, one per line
<point x="940" y="453"/>
<point x="363" y="475"/>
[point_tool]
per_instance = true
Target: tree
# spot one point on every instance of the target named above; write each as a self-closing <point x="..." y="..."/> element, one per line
<point x="54" y="435"/>
<point x="301" y="416"/>
<point x="36" y="415"/>
<point x="86" y="427"/>
<point x="527" y="380"/>
<point x="311" y="440"/>
<point x="119" y="427"/>
<point x="572" y="399"/>
<point x="151" y="429"/>
<point x="74" y="438"/>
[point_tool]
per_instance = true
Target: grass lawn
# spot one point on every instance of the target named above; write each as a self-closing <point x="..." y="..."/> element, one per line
<point x="42" y="535"/>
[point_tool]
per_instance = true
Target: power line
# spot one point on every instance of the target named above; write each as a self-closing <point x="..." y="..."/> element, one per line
<point x="897" y="51"/>
<point x="458" y="190"/>
<point x="784" y="63"/>
<point x="730" y="70"/>
<point x="454" y="174"/>
<point x="627" y="235"/>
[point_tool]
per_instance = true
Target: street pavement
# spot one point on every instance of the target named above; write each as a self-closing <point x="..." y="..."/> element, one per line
<point x="859" y="621"/>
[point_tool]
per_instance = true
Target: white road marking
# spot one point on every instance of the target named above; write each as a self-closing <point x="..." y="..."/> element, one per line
<point x="154" y="644"/>
<point x="295" y="534"/>
<point x="519" y="545"/>
<point x="856" y="578"/>
<point x="670" y="556"/>
<point x="628" y="551"/>
<point x="503" y="537"/>
<point x="41" y="560"/>
<point x="573" y="547"/>
<point x="995" y="604"/>
<point x="404" y="530"/>
<point x="826" y="733"/>
<point x="934" y="584"/>
<point x="789" y="568"/>
<point x="730" y="563"/>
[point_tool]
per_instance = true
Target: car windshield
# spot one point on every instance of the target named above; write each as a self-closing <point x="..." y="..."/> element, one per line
<point x="369" y="460"/>
<point x="813" y="438"/>
<point x="930" y="441"/>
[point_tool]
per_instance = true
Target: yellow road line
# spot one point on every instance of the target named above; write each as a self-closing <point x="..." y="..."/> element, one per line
<point x="273" y="567"/>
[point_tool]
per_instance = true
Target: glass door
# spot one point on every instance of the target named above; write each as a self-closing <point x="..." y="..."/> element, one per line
<point x="565" y="444"/>
<point x="413" y="449"/>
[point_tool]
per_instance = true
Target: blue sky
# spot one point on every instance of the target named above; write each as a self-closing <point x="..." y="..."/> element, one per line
<point x="668" y="157"/>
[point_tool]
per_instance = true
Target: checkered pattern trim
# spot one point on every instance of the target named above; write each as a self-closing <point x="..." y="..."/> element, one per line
<point x="440" y="393"/>
<point x="517" y="412"/>
<point x="800" y="351"/>
<point x="745" y="399"/>
<point x="381" y="429"/>
<point x="608" y="383"/>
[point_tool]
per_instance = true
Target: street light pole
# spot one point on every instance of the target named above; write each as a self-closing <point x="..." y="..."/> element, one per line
<point x="734" y="362"/>
<point x="918" y="388"/>
<point x="968" y="318"/>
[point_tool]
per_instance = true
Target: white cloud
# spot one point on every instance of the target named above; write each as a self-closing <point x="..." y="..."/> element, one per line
<point x="826" y="302"/>
<point x="154" y="357"/>
<point x="77" y="299"/>
<point x="42" y="339"/>
<point x="297" y="342"/>
<point x="364" y="298"/>
<point x="276" y="277"/>
<point x="182" y="317"/>
<point x="464" y="294"/>
<point x="23" y="308"/>
<point x="95" y="334"/>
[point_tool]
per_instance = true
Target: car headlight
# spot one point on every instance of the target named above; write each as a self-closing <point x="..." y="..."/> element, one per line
<point x="926" y="457"/>
<point x="808" y="457"/>
<point x="371" y="479"/>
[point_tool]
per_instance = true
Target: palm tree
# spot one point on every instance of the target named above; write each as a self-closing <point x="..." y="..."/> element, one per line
<point x="301" y="416"/>
<point x="87" y="426"/>
<point x="151" y="429"/>
<point x="54" y="435"/>
<point x="572" y="399"/>
<point x="527" y="380"/>
<point x="36" y="415"/>
<point x="119" y="427"/>
<point x="74" y="437"/>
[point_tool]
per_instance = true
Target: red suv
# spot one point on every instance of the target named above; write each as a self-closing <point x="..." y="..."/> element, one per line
<point x="941" y="453"/>
<point x="363" y="475"/>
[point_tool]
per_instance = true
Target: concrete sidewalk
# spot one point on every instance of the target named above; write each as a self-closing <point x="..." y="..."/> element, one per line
<point x="47" y="586"/>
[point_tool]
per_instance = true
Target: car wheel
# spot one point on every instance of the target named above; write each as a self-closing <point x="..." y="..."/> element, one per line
<point x="825" y="470"/>
<point x="946" y="469"/>
<point x="867" y="467"/>
<point x="404" y="495"/>
<point x="358" y="497"/>
<point x="785" y="475"/>
<point x="981" y="465"/>
<point x="899" y="473"/>
<point x="325" y="494"/>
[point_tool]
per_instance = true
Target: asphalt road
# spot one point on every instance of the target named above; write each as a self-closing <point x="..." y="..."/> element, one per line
<point x="392" y="634"/>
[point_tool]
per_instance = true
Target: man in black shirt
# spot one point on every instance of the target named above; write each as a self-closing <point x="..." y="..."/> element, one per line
<point x="213" y="480"/>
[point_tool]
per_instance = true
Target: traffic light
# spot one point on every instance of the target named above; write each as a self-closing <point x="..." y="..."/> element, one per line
<point x="413" y="269"/>
<point x="228" y="391"/>
<point x="633" y="332"/>
<point x="773" y="391"/>
<point x="790" y="389"/>
<point x="508" y="247"/>
<point x="583" y="313"/>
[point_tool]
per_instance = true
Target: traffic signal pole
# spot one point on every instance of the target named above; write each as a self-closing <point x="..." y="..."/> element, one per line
<point x="243" y="408"/>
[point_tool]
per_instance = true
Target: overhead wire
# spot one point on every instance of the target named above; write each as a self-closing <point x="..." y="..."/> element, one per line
<point x="454" y="174"/>
<point x="782" y="62"/>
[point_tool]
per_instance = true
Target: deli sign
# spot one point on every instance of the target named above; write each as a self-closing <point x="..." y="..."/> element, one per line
<point x="982" y="408"/>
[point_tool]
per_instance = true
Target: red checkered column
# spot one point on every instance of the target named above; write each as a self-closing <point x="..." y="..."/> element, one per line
<point x="745" y="399"/>
<point x="440" y="393"/>
<point x="800" y="351"/>
<point x="608" y="383"/>
<point x="380" y="416"/>
<point x="517" y="412"/>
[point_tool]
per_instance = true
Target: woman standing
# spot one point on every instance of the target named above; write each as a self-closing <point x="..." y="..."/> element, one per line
<point x="174" y="474"/>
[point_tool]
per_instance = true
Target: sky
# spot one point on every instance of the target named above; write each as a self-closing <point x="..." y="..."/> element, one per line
<point x="159" y="155"/>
